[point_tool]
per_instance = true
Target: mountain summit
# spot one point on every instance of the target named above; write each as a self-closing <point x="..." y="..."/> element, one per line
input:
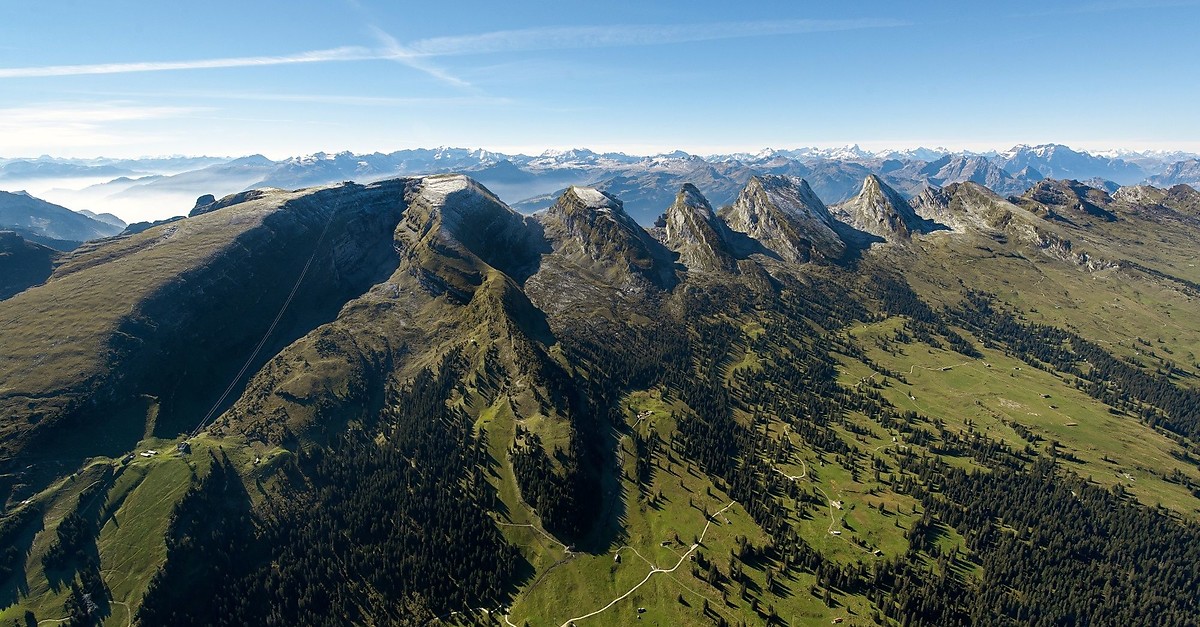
<point x="786" y="217"/>
<point x="589" y="230"/>
<point x="697" y="234"/>
<point x="880" y="210"/>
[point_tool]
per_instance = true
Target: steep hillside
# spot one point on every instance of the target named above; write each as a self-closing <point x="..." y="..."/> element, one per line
<point x="787" y="218"/>
<point x="104" y="353"/>
<point x="880" y="211"/>
<point x="694" y="231"/>
<point x="601" y="259"/>
<point x="406" y="403"/>
<point x="23" y="263"/>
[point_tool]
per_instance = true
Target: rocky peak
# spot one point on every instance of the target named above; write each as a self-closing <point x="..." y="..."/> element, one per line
<point x="689" y="196"/>
<point x="580" y="210"/>
<point x="695" y="232"/>
<point x="1029" y="173"/>
<point x="784" y="215"/>
<point x="457" y="213"/>
<point x="1183" y="198"/>
<point x="202" y="205"/>
<point x="1062" y="199"/>
<point x="963" y="205"/>
<point x="591" y="227"/>
<point x="880" y="211"/>
<point x="1139" y="195"/>
<point x="585" y="199"/>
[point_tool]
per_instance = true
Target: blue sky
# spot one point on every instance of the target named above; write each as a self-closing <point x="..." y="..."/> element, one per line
<point x="89" y="78"/>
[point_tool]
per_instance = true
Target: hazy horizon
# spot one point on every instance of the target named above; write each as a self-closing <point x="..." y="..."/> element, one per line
<point x="871" y="146"/>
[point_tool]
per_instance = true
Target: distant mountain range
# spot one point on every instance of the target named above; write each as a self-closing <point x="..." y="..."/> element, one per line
<point x="152" y="189"/>
<point x="49" y="224"/>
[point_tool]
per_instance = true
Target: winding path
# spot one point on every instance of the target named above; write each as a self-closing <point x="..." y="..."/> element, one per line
<point x="941" y="368"/>
<point x="829" y="501"/>
<point x="803" y="473"/>
<point x="653" y="571"/>
<point x="538" y="529"/>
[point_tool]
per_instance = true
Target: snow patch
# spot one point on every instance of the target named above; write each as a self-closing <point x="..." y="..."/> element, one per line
<point x="592" y="197"/>
<point x="437" y="188"/>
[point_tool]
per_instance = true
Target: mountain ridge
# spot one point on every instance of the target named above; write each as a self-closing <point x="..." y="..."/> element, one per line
<point x="410" y="388"/>
<point x="645" y="183"/>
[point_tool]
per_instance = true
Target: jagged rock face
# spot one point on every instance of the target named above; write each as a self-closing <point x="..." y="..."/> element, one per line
<point x="694" y="231"/>
<point x="592" y="227"/>
<point x="977" y="170"/>
<point x="784" y="215"/>
<point x="451" y="217"/>
<point x="599" y="262"/>
<point x="970" y="207"/>
<point x="1180" y="198"/>
<point x="880" y="211"/>
<point x="963" y="206"/>
<point x="933" y="203"/>
<point x="1053" y="198"/>
<point x="1139" y="195"/>
<point x="1104" y="185"/>
<point x="202" y="204"/>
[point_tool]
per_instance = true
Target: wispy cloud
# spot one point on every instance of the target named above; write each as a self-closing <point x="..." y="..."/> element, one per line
<point x="569" y="37"/>
<point x="417" y="54"/>
<point x="393" y="50"/>
<point x="315" y="98"/>
<point x="369" y="101"/>
<point x="66" y="127"/>
<point x="390" y="50"/>
<point x="349" y="53"/>
<point x="87" y="114"/>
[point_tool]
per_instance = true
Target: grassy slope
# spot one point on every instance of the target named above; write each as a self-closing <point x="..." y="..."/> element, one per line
<point x="987" y="394"/>
<point x="134" y="517"/>
<point x="1130" y="314"/>
<point x="1107" y="306"/>
<point x="132" y="268"/>
<point x="946" y="385"/>
<point x="582" y="583"/>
